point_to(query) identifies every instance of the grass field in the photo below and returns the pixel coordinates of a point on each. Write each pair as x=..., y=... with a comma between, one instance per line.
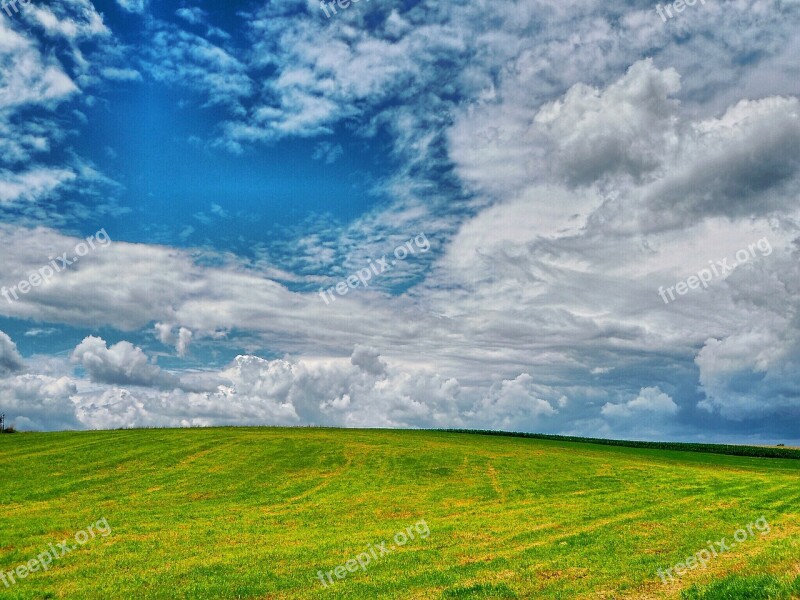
x=256, y=513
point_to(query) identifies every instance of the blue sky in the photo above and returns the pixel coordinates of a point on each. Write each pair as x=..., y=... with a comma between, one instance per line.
x=573, y=169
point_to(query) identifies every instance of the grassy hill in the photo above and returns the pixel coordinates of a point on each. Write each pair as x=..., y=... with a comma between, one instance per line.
x=259, y=512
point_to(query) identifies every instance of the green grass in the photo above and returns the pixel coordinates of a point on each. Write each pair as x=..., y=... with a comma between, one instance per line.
x=255, y=513
x=763, y=587
x=755, y=451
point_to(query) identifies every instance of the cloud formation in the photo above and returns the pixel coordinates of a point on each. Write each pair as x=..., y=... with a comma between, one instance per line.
x=121, y=364
x=10, y=360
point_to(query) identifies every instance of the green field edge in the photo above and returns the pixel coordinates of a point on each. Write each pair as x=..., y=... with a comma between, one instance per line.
x=725, y=449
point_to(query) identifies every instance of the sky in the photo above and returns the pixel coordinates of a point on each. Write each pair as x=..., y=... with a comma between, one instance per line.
x=560, y=216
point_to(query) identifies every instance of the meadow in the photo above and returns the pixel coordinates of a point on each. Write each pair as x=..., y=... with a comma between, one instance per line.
x=260, y=512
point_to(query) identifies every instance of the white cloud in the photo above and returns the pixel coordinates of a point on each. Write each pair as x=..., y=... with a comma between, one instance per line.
x=330, y=71
x=10, y=360
x=43, y=68
x=121, y=364
x=38, y=331
x=626, y=128
x=39, y=402
x=283, y=392
x=753, y=374
x=516, y=405
x=32, y=184
x=134, y=6
x=179, y=58
x=182, y=340
x=27, y=76
x=193, y=15
x=368, y=359
x=651, y=401
x=164, y=333
x=71, y=19
x=116, y=74
x=601, y=370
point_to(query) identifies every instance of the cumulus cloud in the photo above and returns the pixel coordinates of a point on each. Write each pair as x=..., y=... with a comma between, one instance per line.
x=39, y=402
x=668, y=170
x=752, y=374
x=181, y=340
x=740, y=165
x=10, y=360
x=629, y=127
x=650, y=401
x=123, y=364
x=369, y=360
x=651, y=415
x=361, y=393
x=517, y=405
x=164, y=333
x=254, y=391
